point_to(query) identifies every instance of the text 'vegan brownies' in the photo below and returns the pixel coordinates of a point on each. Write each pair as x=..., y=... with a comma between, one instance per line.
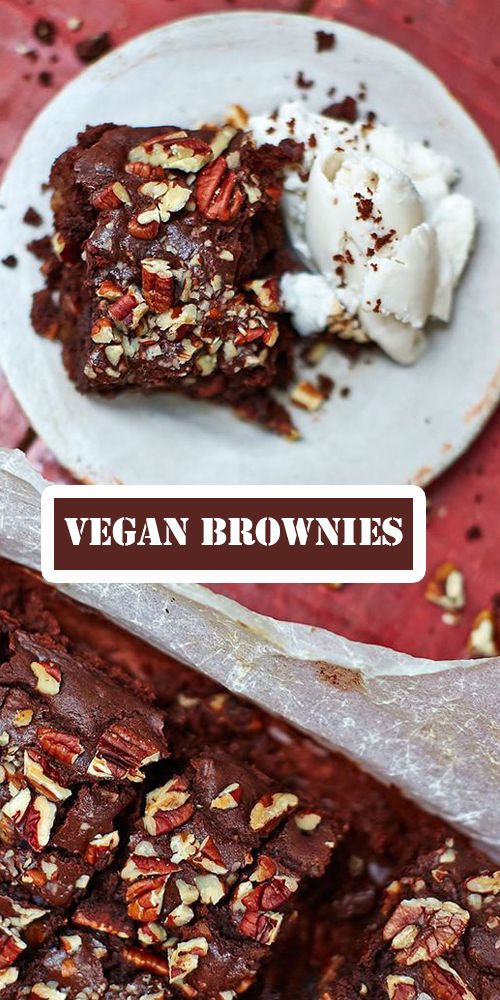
x=163, y=237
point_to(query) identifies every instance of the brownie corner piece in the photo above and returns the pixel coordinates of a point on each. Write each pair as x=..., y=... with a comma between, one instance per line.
x=73, y=747
x=164, y=237
x=437, y=935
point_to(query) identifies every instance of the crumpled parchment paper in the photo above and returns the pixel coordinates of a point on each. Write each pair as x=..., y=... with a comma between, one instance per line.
x=431, y=728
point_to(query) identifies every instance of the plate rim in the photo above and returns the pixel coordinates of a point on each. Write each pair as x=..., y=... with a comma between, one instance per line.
x=485, y=408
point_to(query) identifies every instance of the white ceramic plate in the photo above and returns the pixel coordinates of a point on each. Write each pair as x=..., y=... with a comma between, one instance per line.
x=397, y=425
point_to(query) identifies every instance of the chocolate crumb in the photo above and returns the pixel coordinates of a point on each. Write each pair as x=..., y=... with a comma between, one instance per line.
x=473, y=533
x=45, y=31
x=31, y=217
x=10, y=261
x=346, y=110
x=302, y=81
x=325, y=41
x=45, y=78
x=326, y=385
x=345, y=392
x=91, y=49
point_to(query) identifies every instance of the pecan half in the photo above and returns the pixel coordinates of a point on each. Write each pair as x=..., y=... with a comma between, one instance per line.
x=62, y=746
x=262, y=927
x=217, y=193
x=157, y=284
x=420, y=930
x=121, y=751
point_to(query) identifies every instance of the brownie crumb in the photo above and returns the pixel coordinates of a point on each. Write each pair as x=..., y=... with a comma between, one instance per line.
x=302, y=81
x=45, y=31
x=326, y=385
x=325, y=41
x=45, y=78
x=91, y=49
x=346, y=110
x=10, y=261
x=473, y=533
x=31, y=217
x=45, y=314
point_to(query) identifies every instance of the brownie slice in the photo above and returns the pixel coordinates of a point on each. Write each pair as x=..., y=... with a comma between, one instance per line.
x=437, y=936
x=164, y=236
x=73, y=747
x=210, y=875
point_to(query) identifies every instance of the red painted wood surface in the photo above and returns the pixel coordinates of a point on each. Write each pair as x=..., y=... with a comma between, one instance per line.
x=458, y=39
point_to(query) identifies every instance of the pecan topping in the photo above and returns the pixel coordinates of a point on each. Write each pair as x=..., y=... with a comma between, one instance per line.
x=262, y=927
x=123, y=306
x=11, y=947
x=102, y=331
x=100, y=849
x=145, y=898
x=485, y=885
x=157, y=284
x=109, y=290
x=267, y=293
x=173, y=151
x=444, y=982
x=228, y=798
x=41, y=776
x=146, y=960
x=48, y=677
x=184, y=959
x=111, y=196
x=62, y=746
x=401, y=988
x=144, y=225
x=121, y=751
x=38, y=822
x=270, y=809
x=145, y=170
x=420, y=930
x=208, y=857
x=167, y=807
x=217, y=193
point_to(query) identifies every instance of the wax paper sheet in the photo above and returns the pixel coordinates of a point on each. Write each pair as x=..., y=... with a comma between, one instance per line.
x=432, y=728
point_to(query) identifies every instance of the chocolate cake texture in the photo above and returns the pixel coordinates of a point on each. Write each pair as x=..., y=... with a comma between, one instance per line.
x=163, y=838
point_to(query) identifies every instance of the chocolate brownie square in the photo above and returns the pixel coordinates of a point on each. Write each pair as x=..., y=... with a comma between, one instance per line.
x=163, y=235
